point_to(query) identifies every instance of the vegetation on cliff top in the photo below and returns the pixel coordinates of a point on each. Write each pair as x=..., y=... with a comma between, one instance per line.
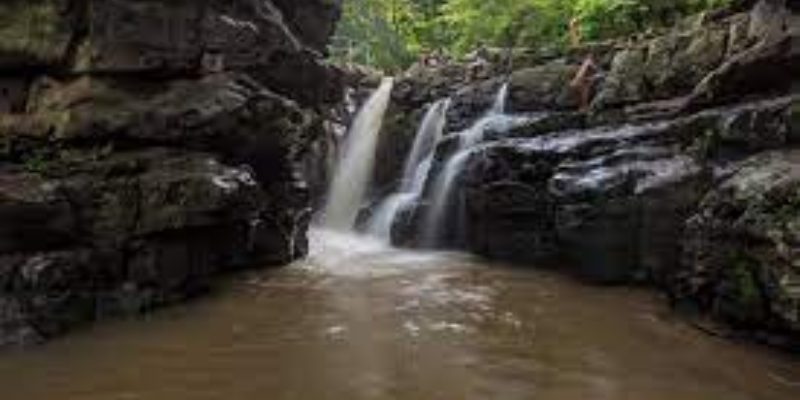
x=393, y=33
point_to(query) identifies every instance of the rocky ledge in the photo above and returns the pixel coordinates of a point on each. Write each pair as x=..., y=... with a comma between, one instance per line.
x=684, y=174
x=146, y=146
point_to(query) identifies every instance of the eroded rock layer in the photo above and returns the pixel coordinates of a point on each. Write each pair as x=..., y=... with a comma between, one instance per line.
x=146, y=146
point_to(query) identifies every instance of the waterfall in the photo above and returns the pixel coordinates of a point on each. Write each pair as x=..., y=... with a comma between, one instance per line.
x=428, y=134
x=415, y=171
x=500, y=100
x=438, y=210
x=355, y=168
x=436, y=216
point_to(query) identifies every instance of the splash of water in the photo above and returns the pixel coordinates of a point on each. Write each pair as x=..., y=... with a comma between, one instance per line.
x=356, y=165
x=415, y=172
x=383, y=220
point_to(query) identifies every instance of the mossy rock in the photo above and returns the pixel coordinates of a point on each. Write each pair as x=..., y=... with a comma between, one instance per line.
x=544, y=87
x=90, y=106
x=33, y=33
x=705, y=53
x=679, y=61
x=740, y=298
x=742, y=244
x=626, y=83
x=660, y=71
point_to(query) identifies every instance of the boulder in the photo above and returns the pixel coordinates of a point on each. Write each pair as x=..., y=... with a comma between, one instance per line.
x=768, y=20
x=625, y=82
x=673, y=64
x=743, y=245
x=545, y=87
x=508, y=210
x=769, y=65
x=678, y=61
x=766, y=67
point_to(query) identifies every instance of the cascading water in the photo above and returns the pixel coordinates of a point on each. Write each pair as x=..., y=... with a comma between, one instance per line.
x=355, y=168
x=428, y=134
x=415, y=172
x=500, y=100
x=436, y=215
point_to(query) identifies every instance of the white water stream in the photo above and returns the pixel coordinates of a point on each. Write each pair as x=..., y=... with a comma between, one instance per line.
x=436, y=215
x=355, y=169
x=415, y=172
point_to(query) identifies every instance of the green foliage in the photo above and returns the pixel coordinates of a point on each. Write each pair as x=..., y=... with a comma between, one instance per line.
x=32, y=28
x=37, y=161
x=609, y=18
x=378, y=32
x=740, y=296
x=393, y=33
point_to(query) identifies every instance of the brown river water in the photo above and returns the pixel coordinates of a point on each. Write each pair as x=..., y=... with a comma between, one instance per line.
x=358, y=320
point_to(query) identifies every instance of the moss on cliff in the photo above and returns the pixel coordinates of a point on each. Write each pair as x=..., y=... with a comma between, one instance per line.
x=740, y=297
x=33, y=32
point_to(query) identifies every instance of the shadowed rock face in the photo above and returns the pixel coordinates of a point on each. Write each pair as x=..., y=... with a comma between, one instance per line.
x=613, y=198
x=650, y=185
x=313, y=19
x=741, y=247
x=174, y=38
x=147, y=146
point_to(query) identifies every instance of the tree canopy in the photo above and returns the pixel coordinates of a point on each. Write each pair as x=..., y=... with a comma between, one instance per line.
x=391, y=34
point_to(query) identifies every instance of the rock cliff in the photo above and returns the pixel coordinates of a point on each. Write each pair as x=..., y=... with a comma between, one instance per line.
x=683, y=172
x=146, y=146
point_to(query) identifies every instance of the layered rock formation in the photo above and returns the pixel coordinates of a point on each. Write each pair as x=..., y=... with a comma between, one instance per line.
x=146, y=146
x=683, y=174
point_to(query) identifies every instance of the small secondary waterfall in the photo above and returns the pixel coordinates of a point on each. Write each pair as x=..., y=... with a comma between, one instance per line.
x=436, y=215
x=415, y=172
x=355, y=168
x=428, y=134
x=500, y=100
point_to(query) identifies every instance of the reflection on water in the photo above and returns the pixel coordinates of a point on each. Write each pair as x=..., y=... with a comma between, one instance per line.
x=358, y=320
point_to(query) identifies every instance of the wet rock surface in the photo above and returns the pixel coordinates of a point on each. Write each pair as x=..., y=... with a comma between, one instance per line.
x=741, y=247
x=684, y=165
x=145, y=147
